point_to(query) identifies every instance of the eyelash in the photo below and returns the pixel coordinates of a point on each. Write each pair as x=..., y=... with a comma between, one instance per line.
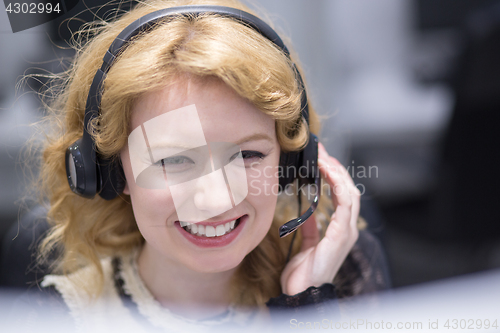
x=247, y=154
x=183, y=158
x=251, y=154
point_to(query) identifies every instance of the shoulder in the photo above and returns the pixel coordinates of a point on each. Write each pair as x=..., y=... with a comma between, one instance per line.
x=39, y=307
x=91, y=311
x=80, y=286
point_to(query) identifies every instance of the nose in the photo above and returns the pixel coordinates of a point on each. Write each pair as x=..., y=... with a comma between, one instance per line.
x=212, y=196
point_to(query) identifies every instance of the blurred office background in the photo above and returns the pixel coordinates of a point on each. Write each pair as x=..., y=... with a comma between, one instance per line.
x=409, y=93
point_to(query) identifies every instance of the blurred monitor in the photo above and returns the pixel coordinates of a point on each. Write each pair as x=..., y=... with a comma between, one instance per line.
x=444, y=14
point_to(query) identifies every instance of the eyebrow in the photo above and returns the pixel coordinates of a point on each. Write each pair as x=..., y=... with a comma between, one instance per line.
x=161, y=145
x=252, y=137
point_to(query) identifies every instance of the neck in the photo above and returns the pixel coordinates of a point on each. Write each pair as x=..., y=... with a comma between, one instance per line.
x=191, y=294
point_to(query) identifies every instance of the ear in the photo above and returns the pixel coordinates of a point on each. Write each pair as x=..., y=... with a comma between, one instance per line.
x=126, y=190
x=121, y=174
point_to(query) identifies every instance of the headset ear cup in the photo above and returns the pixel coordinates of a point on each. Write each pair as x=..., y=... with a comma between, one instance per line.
x=81, y=169
x=75, y=168
x=302, y=164
x=309, y=161
x=112, y=179
x=289, y=163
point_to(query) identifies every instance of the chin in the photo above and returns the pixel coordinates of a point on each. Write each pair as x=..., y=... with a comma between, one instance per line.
x=215, y=264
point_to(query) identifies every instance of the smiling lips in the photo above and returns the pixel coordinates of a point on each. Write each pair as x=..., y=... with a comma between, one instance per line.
x=209, y=235
x=209, y=230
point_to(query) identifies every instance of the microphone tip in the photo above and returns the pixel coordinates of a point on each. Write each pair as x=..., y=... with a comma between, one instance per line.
x=285, y=230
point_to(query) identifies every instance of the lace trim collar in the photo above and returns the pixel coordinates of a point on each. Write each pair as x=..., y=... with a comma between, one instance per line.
x=111, y=311
x=159, y=316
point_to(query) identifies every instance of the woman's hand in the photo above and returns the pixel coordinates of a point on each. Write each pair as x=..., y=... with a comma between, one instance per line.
x=319, y=261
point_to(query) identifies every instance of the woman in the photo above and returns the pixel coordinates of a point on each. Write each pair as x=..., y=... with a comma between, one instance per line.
x=197, y=111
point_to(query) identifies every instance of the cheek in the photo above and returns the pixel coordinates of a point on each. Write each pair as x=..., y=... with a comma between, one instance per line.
x=151, y=206
x=263, y=180
x=263, y=189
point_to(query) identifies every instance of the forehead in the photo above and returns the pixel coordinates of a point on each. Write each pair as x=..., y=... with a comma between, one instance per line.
x=223, y=114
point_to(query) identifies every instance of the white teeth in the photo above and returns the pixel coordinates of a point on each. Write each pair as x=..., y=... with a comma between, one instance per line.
x=210, y=231
x=201, y=230
x=220, y=230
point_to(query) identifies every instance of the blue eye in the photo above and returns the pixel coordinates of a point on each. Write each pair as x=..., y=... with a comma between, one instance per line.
x=176, y=160
x=248, y=156
x=176, y=163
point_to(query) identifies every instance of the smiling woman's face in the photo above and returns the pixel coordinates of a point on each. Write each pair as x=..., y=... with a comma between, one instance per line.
x=197, y=174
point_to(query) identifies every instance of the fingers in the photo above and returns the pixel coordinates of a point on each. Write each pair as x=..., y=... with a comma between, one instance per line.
x=334, y=164
x=345, y=195
x=310, y=233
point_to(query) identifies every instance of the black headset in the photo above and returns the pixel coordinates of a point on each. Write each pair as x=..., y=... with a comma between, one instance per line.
x=89, y=173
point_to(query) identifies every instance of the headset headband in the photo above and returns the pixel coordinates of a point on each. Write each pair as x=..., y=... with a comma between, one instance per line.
x=148, y=22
